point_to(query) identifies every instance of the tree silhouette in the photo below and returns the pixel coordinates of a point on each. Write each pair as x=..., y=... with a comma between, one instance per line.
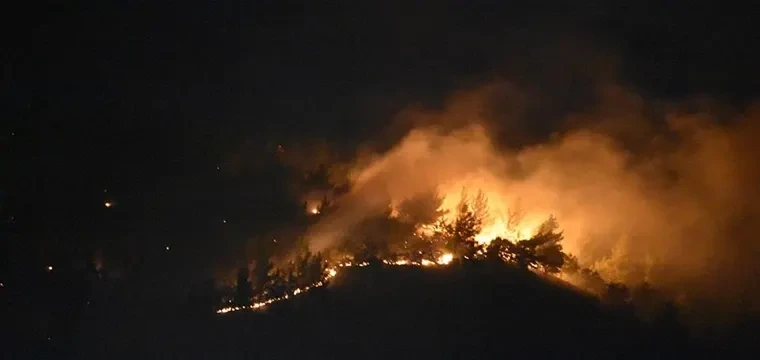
x=315, y=269
x=421, y=209
x=542, y=251
x=425, y=247
x=479, y=205
x=261, y=275
x=292, y=280
x=497, y=250
x=308, y=268
x=243, y=290
x=277, y=285
x=522, y=254
x=463, y=231
x=515, y=215
x=617, y=294
x=380, y=235
x=571, y=265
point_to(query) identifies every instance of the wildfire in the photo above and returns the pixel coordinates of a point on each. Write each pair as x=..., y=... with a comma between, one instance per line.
x=499, y=228
x=445, y=259
x=496, y=224
x=330, y=273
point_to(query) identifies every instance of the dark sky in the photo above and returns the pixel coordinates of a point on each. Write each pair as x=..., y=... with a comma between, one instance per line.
x=145, y=99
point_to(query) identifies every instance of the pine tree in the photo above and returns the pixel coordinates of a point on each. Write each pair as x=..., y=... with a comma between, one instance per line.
x=543, y=250
x=467, y=225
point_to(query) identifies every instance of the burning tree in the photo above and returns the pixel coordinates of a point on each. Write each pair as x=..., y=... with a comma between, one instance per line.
x=469, y=223
x=543, y=250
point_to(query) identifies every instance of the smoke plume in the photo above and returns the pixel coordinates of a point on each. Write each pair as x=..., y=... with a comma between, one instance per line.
x=644, y=190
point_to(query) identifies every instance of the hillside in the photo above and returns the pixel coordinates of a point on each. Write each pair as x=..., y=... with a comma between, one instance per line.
x=373, y=312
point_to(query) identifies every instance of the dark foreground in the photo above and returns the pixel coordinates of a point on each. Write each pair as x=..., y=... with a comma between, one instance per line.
x=379, y=313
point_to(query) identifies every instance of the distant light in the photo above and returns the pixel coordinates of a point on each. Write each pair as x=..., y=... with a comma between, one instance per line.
x=2, y=285
x=50, y=268
x=315, y=211
x=274, y=240
x=224, y=221
x=108, y=204
x=105, y=190
x=167, y=247
x=217, y=168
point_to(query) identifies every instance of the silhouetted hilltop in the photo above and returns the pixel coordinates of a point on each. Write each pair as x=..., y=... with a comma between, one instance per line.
x=477, y=310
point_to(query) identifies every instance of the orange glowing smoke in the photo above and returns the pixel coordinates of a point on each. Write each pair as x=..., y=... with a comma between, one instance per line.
x=641, y=191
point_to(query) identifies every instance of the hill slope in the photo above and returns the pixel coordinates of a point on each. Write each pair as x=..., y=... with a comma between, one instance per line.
x=472, y=312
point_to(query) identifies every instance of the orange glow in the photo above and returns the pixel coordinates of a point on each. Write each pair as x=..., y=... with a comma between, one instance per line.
x=500, y=208
x=108, y=204
x=445, y=259
x=642, y=191
x=330, y=273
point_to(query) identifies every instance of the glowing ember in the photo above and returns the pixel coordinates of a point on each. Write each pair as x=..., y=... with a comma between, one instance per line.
x=108, y=204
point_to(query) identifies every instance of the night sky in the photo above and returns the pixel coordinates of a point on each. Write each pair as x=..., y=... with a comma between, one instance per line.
x=138, y=103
